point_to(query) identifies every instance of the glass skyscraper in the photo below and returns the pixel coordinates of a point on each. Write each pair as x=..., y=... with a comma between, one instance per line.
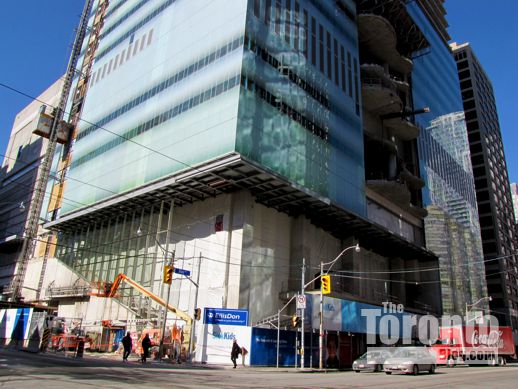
x=451, y=227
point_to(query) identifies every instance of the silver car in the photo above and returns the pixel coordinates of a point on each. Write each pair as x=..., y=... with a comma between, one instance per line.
x=371, y=361
x=410, y=360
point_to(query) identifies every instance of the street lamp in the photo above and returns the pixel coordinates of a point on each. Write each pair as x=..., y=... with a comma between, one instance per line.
x=471, y=306
x=139, y=233
x=321, y=331
x=21, y=205
x=21, y=208
x=404, y=114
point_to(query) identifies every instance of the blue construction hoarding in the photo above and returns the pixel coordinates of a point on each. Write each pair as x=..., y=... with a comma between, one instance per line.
x=264, y=347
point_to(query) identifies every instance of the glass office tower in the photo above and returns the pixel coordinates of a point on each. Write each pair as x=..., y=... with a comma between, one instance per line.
x=452, y=228
x=234, y=83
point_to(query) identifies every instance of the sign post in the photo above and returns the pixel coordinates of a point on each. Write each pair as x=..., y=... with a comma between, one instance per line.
x=301, y=304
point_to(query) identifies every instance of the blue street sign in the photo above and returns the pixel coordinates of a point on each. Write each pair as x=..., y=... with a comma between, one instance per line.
x=183, y=272
x=232, y=317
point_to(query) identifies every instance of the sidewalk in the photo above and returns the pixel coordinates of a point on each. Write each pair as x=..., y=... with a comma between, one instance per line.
x=115, y=359
x=134, y=359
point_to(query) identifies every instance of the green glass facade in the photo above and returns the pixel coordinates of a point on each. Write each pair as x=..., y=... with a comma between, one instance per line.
x=276, y=83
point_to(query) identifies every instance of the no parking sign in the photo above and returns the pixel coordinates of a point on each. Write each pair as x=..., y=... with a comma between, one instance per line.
x=301, y=301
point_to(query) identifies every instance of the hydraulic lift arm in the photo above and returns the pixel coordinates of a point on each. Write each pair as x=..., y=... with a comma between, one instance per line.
x=122, y=277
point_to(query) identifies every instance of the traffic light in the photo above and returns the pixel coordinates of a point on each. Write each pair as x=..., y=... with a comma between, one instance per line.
x=326, y=284
x=197, y=314
x=295, y=321
x=168, y=274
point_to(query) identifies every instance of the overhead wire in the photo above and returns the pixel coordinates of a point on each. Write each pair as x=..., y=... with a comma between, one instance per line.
x=160, y=153
x=144, y=224
x=402, y=271
x=248, y=265
x=187, y=165
x=241, y=263
x=422, y=270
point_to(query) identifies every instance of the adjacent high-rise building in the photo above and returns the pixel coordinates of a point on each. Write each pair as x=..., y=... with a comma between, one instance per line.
x=18, y=177
x=495, y=206
x=453, y=230
x=514, y=194
x=451, y=225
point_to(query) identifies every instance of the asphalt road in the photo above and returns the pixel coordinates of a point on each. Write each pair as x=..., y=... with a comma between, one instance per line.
x=38, y=371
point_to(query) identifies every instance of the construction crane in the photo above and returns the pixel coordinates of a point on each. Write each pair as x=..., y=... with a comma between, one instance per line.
x=56, y=127
x=110, y=290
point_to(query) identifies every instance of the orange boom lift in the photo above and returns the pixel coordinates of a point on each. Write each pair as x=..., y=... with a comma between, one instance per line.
x=110, y=290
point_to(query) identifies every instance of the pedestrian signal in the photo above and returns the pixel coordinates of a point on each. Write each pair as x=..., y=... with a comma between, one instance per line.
x=326, y=284
x=197, y=314
x=168, y=274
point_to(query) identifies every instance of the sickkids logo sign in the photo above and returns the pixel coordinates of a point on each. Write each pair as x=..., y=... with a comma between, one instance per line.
x=224, y=335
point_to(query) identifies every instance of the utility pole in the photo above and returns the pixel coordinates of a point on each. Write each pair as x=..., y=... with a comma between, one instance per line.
x=278, y=335
x=321, y=330
x=303, y=312
x=46, y=164
x=321, y=334
x=161, y=349
x=197, y=284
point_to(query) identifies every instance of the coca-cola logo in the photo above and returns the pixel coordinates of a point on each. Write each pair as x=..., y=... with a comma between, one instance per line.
x=493, y=339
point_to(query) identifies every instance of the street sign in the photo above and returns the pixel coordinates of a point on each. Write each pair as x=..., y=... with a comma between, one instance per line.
x=234, y=317
x=301, y=301
x=183, y=272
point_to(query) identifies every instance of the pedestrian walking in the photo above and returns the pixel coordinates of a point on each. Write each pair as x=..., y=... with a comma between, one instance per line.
x=127, y=343
x=236, y=350
x=146, y=345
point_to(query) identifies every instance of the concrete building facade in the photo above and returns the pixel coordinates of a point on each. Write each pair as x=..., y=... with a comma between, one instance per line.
x=19, y=173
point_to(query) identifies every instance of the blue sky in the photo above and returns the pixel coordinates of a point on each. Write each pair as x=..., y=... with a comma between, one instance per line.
x=37, y=36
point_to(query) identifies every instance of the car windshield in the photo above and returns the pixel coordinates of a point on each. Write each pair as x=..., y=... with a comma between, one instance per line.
x=374, y=354
x=405, y=353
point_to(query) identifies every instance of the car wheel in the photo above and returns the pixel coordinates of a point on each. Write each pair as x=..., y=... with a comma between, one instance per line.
x=357, y=371
x=501, y=361
x=415, y=370
x=432, y=369
x=388, y=372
